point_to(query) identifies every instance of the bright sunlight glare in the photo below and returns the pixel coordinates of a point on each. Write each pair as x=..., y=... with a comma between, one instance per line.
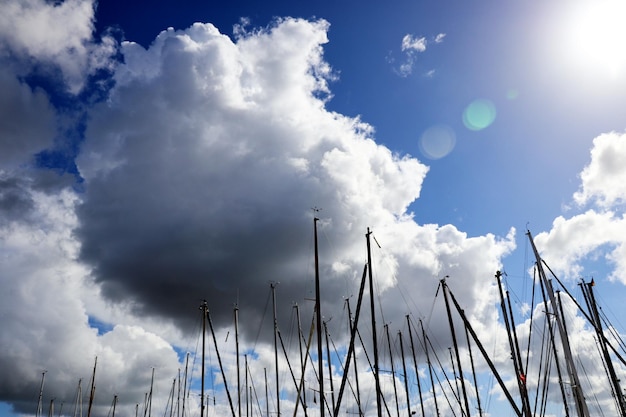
x=596, y=37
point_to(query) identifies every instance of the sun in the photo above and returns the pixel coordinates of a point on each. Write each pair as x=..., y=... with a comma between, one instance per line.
x=596, y=36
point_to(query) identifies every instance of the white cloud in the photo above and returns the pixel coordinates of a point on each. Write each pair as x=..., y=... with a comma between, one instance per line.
x=602, y=180
x=411, y=46
x=58, y=34
x=598, y=232
x=411, y=43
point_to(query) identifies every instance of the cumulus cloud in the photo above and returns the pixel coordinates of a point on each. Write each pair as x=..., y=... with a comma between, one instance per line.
x=602, y=181
x=202, y=168
x=598, y=232
x=58, y=34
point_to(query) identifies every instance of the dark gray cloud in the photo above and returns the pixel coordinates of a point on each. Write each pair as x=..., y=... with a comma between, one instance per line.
x=202, y=169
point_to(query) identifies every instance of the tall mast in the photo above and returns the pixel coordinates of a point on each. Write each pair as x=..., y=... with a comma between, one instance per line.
x=379, y=409
x=302, y=366
x=469, y=349
x=148, y=409
x=456, y=347
x=267, y=397
x=78, y=407
x=430, y=369
x=246, y=385
x=417, y=374
x=236, y=311
x=114, y=405
x=273, y=286
x=205, y=308
x=318, y=318
x=185, y=382
x=393, y=370
x=597, y=324
x=330, y=369
x=353, y=331
x=219, y=361
x=406, y=378
x=579, y=399
x=92, y=391
x=40, y=400
x=356, y=372
x=513, y=346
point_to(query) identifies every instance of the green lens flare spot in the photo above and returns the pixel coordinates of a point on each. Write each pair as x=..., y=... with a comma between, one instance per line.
x=479, y=114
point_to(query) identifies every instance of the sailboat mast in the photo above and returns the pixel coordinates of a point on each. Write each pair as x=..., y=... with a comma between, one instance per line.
x=236, y=312
x=205, y=308
x=579, y=399
x=185, y=383
x=302, y=366
x=40, y=400
x=393, y=370
x=471, y=358
x=417, y=373
x=379, y=409
x=114, y=405
x=92, y=391
x=456, y=347
x=513, y=346
x=273, y=286
x=597, y=324
x=330, y=369
x=353, y=331
x=430, y=369
x=267, y=397
x=406, y=379
x=318, y=319
x=219, y=361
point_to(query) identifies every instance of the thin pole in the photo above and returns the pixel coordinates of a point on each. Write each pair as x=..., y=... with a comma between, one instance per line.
x=393, y=369
x=456, y=347
x=40, y=400
x=114, y=405
x=219, y=360
x=185, y=382
x=205, y=308
x=406, y=378
x=356, y=372
x=318, y=323
x=430, y=369
x=579, y=399
x=469, y=349
x=302, y=367
x=330, y=369
x=597, y=324
x=267, y=397
x=273, y=286
x=379, y=409
x=92, y=392
x=353, y=332
x=417, y=374
x=236, y=311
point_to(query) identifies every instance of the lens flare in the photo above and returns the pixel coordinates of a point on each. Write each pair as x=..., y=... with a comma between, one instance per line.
x=479, y=114
x=437, y=141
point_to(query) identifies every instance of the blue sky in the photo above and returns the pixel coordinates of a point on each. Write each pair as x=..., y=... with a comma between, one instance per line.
x=156, y=154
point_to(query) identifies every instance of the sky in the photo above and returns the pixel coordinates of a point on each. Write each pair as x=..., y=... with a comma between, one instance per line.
x=157, y=154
